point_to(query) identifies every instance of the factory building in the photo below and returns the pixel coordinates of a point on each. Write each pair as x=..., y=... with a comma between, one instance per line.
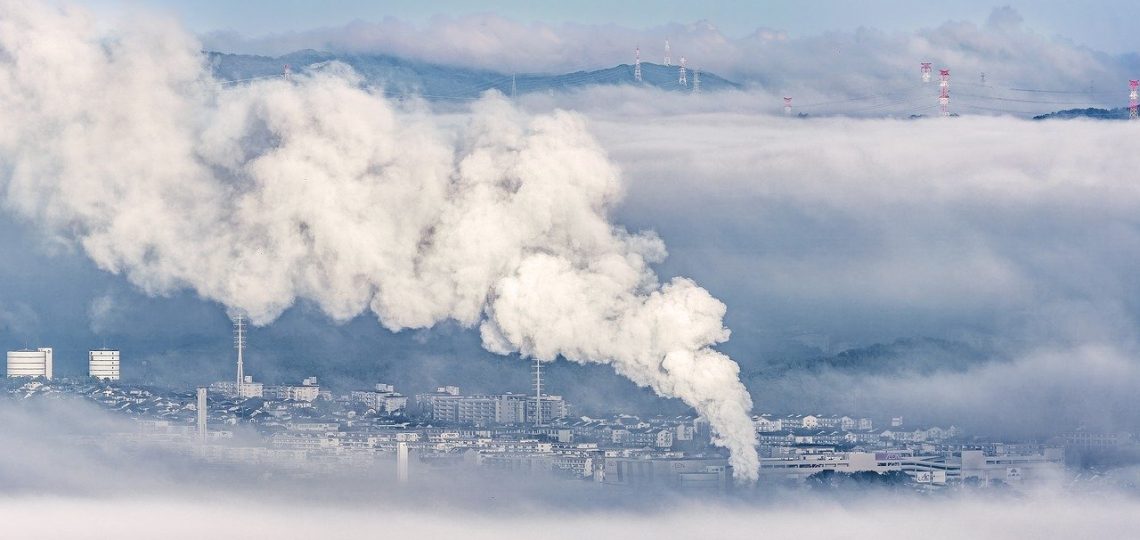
x=103, y=364
x=679, y=473
x=30, y=363
x=961, y=466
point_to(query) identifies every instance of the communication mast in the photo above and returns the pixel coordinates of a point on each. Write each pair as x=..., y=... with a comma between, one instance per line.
x=239, y=344
x=944, y=96
x=683, y=80
x=287, y=72
x=787, y=106
x=637, y=64
x=696, y=80
x=537, y=392
x=1133, y=99
x=668, y=61
x=926, y=72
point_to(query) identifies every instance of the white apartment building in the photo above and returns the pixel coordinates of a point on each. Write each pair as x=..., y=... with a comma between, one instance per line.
x=383, y=399
x=308, y=390
x=103, y=364
x=249, y=389
x=30, y=363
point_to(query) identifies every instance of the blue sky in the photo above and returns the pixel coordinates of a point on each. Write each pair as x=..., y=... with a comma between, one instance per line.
x=1102, y=25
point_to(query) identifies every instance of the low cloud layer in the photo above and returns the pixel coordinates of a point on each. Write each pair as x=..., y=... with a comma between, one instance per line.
x=861, y=69
x=158, y=492
x=1037, y=517
x=1017, y=237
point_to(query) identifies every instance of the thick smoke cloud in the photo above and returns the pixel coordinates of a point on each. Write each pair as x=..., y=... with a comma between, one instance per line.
x=261, y=195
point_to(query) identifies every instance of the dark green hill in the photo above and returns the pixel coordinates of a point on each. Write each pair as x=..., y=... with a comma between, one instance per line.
x=402, y=77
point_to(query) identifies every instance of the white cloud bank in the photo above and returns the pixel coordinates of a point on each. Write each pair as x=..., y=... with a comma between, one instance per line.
x=1039, y=516
x=1022, y=236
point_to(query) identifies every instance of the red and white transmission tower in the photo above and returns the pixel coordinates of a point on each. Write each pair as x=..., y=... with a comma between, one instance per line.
x=944, y=96
x=1133, y=99
x=696, y=80
x=668, y=61
x=788, y=106
x=287, y=72
x=926, y=72
x=637, y=64
x=683, y=80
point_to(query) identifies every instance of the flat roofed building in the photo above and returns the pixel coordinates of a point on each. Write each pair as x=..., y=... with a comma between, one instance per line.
x=30, y=363
x=103, y=364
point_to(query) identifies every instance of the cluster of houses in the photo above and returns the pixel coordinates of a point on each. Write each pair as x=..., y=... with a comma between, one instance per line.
x=777, y=433
x=311, y=429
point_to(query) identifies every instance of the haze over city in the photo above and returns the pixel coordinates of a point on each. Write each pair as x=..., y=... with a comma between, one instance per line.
x=668, y=268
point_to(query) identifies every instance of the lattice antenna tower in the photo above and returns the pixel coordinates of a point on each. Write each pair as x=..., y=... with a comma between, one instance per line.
x=696, y=80
x=637, y=64
x=514, y=87
x=1133, y=99
x=787, y=106
x=926, y=72
x=239, y=344
x=287, y=72
x=668, y=60
x=537, y=392
x=944, y=94
x=683, y=80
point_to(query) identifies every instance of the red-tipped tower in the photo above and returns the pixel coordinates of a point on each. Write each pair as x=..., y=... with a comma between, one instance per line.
x=944, y=95
x=1133, y=99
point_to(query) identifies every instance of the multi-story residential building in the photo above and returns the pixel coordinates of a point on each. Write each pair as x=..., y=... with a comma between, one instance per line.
x=308, y=390
x=103, y=364
x=30, y=363
x=765, y=423
x=447, y=405
x=383, y=399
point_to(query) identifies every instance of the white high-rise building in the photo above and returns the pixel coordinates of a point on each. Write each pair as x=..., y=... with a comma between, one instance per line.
x=103, y=364
x=30, y=363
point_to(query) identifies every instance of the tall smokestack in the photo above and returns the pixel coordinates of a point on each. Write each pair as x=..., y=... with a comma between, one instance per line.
x=202, y=414
x=402, y=462
x=239, y=344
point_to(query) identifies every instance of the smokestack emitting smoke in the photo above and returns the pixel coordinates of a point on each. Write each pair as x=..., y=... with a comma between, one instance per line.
x=317, y=188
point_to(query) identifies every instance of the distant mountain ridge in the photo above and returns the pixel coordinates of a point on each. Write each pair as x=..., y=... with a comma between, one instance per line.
x=910, y=355
x=403, y=77
x=1120, y=113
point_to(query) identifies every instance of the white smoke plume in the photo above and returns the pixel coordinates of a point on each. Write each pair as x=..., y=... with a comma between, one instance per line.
x=259, y=195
